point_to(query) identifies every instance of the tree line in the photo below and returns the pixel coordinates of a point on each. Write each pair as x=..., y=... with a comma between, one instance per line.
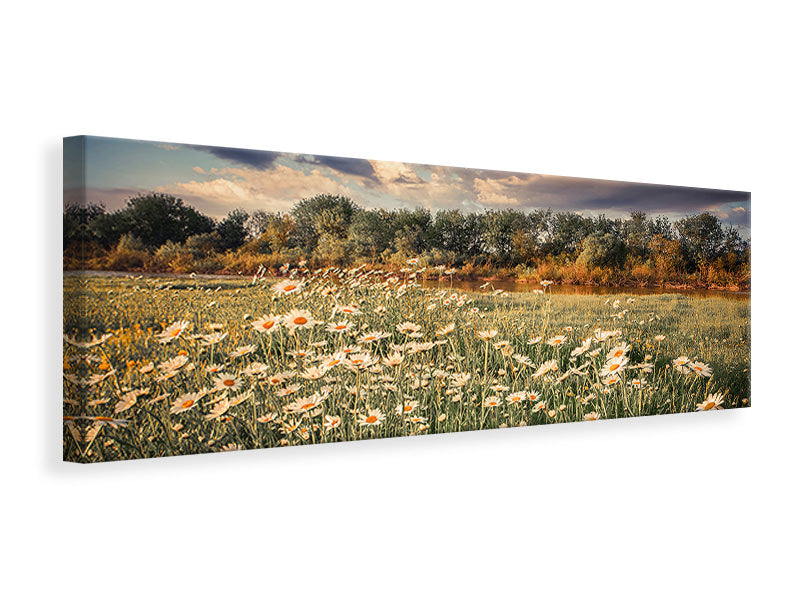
x=160, y=231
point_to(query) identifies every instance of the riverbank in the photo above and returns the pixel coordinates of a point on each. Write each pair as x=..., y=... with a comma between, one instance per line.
x=471, y=285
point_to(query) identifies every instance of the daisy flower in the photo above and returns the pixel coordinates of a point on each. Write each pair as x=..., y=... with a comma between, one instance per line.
x=173, y=364
x=287, y=286
x=242, y=351
x=220, y=408
x=288, y=390
x=372, y=336
x=350, y=309
x=226, y=381
x=614, y=365
x=267, y=323
x=298, y=318
x=279, y=378
x=329, y=362
x=268, y=418
x=516, y=397
x=255, y=368
x=460, y=379
x=406, y=407
x=524, y=360
x=331, y=422
x=185, y=402
x=681, y=361
x=492, y=401
x=231, y=447
x=446, y=330
x=407, y=327
x=557, y=340
x=302, y=405
x=544, y=368
x=618, y=351
x=340, y=327
x=713, y=402
x=126, y=401
x=239, y=398
x=393, y=359
x=313, y=373
x=592, y=416
x=212, y=338
x=700, y=368
x=373, y=417
x=487, y=334
x=172, y=332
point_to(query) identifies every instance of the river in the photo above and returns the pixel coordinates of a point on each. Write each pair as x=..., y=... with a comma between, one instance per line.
x=589, y=290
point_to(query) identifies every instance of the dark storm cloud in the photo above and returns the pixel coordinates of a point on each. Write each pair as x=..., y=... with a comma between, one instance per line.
x=596, y=195
x=349, y=166
x=259, y=159
x=264, y=160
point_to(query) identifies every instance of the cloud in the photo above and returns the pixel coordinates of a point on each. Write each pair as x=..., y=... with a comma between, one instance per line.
x=394, y=172
x=348, y=166
x=199, y=170
x=276, y=189
x=259, y=159
x=491, y=192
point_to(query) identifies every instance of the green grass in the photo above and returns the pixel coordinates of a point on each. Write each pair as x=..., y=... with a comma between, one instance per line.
x=134, y=311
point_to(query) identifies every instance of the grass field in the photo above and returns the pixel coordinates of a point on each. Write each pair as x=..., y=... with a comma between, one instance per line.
x=159, y=367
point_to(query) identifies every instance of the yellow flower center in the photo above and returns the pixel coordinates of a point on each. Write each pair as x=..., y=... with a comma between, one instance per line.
x=300, y=320
x=268, y=324
x=228, y=382
x=371, y=419
x=187, y=404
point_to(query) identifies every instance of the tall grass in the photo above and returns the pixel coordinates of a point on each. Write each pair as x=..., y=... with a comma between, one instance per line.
x=126, y=382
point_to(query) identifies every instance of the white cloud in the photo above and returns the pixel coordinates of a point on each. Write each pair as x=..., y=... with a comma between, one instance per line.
x=251, y=189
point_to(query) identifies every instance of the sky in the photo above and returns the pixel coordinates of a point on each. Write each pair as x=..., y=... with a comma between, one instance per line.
x=217, y=180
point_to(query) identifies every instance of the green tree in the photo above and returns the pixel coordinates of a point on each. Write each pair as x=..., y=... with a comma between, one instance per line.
x=500, y=228
x=602, y=250
x=411, y=229
x=370, y=233
x=232, y=231
x=566, y=233
x=323, y=214
x=701, y=238
x=456, y=232
x=154, y=219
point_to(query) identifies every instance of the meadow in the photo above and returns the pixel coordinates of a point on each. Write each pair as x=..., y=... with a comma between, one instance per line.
x=171, y=366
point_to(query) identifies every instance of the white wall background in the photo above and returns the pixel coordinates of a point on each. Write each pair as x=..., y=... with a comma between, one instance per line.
x=690, y=93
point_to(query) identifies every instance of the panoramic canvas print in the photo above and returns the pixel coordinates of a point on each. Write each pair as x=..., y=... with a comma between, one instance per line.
x=220, y=299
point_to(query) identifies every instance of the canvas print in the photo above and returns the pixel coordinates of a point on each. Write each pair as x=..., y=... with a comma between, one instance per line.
x=221, y=299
